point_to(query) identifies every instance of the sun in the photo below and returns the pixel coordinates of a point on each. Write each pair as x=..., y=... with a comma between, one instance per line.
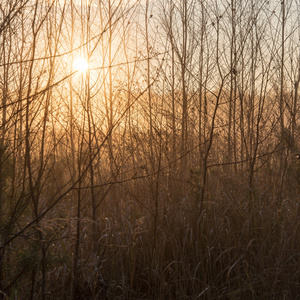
x=80, y=64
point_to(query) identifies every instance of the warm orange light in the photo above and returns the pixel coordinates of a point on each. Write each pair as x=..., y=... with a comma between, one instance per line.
x=80, y=64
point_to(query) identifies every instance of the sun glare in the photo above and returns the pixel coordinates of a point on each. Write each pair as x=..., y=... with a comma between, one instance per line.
x=80, y=64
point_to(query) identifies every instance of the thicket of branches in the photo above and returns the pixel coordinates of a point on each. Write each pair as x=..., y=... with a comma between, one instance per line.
x=169, y=168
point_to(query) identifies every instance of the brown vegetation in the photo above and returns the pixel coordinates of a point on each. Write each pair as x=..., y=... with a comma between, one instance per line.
x=168, y=169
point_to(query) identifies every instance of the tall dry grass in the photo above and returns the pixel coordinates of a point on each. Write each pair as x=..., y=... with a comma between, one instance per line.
x=239, y=246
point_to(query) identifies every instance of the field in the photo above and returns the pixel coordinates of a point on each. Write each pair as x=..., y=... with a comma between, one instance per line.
x=149, y=149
